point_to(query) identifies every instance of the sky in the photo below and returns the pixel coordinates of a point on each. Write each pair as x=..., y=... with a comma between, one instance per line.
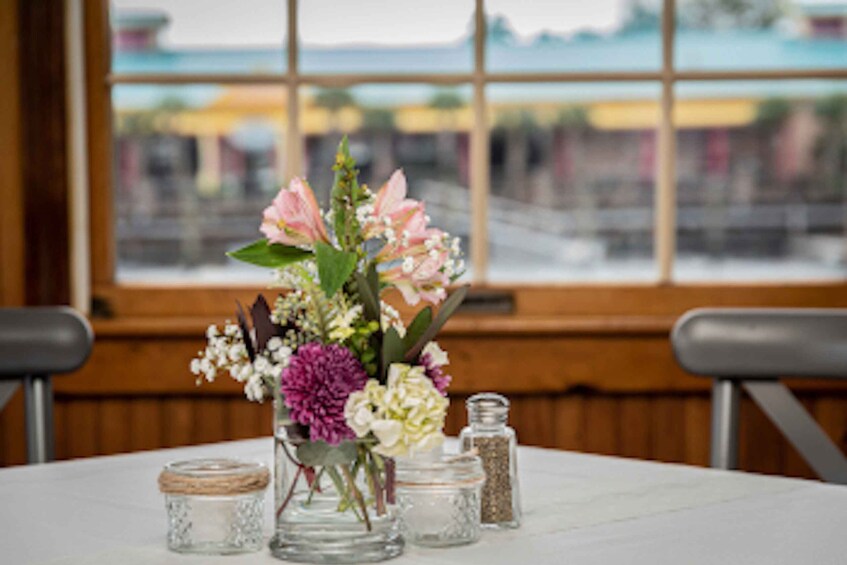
x=254, y=23
x=198, y=23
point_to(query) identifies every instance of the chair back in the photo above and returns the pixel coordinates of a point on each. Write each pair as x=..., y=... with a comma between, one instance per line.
x=43, y=340
x=751, y=349
x=753, y=343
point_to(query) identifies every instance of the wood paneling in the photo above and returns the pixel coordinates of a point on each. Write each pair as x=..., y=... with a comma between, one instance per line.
x=659, y=426
x=11, y=187
x=44, y=151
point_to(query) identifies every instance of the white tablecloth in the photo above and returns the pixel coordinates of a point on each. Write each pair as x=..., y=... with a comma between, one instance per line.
x=577, y=509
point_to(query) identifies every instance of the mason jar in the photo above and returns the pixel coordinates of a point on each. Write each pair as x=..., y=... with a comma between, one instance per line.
x=439, y=499
x=215, y=506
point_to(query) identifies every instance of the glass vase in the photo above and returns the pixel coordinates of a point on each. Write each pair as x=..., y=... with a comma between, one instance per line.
x=333, y=513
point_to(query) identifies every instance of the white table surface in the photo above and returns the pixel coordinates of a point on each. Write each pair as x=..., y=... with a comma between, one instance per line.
x=577, y=509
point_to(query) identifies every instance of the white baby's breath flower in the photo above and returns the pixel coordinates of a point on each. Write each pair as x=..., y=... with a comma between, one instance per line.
x=408, y=265
x=212, y=331
x=254, y=390
x=436, y=354
x=274, y=343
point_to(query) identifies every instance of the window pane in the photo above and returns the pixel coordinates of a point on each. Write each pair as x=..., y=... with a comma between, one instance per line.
x=761, y=34
x=376, y=36
x=198, y=36
x=194, y=168
x=573, y=35
x=572, y=177
x=423, y=129
x=762, y=173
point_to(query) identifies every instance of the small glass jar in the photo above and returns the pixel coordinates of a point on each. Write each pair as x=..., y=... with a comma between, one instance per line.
x=215, y=506
x=439, y=499
x=496, y=444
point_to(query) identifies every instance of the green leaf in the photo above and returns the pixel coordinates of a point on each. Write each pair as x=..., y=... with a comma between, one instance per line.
x=272, y=255
x=453, y=301
x=392, y=349
x=418, y=326
x=320, y=453
x=368, y=285
x=334, y=267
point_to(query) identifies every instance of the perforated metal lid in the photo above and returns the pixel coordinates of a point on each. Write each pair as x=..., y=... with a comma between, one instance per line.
x=488, y=408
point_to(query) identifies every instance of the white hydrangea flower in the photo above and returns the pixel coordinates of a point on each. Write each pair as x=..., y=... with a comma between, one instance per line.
x=406, y=415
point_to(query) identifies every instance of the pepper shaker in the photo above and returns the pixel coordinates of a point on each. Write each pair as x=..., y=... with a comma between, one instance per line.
x=496, y=443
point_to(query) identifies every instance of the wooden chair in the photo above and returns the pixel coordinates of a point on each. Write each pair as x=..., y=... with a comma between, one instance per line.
x=751, y=348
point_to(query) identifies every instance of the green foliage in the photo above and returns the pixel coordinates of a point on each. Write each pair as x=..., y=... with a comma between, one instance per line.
x=721, y=14
x=377, y=119
x=364, y=344
x=334, y=267
x=574, y=117
x=271, y=255
x=772, y=112
x=393, y=349
x=346, y=196
x=832, y=109
x=417, y=328
x=367, y=286
x=446, y=99
x=447, y=309
x=334, y=99
x=320, y=453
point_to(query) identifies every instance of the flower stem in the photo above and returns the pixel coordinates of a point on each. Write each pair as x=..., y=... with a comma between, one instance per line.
x=290, y=492
x=357, y=495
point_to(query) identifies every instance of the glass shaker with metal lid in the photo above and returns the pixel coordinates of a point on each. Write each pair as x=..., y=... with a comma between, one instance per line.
x=496, y=444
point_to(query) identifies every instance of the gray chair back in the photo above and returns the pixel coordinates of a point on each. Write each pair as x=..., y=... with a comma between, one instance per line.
x=752, y=348
x=36, y=343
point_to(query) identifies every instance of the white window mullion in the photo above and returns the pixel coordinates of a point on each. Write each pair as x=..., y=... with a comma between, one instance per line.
x=479, y=155
x=665, y=206
x=293, y=142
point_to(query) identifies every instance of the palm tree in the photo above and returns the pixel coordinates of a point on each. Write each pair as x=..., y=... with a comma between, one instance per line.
x=378, y=123
x=333, y=100
x=517, y=127
x=572, y=127
x=831, y=147
x=446, y=102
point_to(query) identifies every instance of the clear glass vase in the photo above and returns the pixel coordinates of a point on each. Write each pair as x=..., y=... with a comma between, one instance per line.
x=340, y=513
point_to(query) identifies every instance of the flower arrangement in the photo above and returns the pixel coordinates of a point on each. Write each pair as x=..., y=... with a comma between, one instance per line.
x=356, y=386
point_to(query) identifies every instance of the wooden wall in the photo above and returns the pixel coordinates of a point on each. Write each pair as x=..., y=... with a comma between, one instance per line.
x=616, y=395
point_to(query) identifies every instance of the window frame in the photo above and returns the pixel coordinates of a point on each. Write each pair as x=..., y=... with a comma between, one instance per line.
x=120, y=300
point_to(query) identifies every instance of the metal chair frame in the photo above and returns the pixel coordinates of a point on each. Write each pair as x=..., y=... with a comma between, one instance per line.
x=750, y=348
x=36, y=343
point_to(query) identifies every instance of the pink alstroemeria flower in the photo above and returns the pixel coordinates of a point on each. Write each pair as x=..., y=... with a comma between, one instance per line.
x=294, y=217
x=392, y=210
x=418, y=268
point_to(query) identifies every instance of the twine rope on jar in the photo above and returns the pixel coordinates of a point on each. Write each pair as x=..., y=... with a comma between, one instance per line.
x=177, y=483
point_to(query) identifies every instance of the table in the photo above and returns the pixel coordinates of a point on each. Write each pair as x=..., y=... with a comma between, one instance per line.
x=579, y=509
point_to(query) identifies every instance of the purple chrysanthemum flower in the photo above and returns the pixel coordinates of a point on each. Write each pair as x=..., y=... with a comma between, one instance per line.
x=316, y=384
x=436, y=373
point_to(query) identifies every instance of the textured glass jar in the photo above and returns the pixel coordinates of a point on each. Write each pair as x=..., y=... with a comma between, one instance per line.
x=496, y=444
x=314, y=522
x=439, y=500
x=215, y=506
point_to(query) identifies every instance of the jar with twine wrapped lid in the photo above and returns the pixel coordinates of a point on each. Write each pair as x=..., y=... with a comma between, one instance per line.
x=215, y=506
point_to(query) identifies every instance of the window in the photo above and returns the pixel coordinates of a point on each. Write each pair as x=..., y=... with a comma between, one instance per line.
x=624, y=142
